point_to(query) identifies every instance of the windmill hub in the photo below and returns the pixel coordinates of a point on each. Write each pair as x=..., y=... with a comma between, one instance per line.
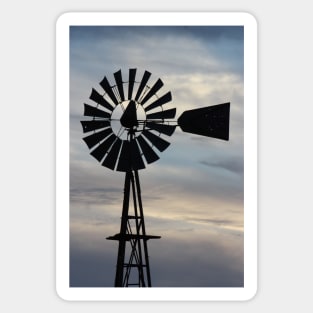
x=133, y=119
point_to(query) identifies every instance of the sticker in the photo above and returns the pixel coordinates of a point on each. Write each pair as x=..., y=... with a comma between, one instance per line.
x=156, y=156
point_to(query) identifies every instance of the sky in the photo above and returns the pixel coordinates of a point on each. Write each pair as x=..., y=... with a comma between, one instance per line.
x=193, y=195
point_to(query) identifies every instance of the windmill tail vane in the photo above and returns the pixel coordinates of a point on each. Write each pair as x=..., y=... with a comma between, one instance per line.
x=130, y=125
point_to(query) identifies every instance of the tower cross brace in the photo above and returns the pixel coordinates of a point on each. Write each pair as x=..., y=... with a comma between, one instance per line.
x=132, y=268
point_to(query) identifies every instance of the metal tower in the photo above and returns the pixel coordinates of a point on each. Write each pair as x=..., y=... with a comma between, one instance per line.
x=126, y=129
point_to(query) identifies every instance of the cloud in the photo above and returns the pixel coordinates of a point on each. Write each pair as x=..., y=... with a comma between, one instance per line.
x=196, y=265
x=234, y=165
x=95, y=195
x=92, y=260
x=194, y=257
x=166, y=50
x=224, y=222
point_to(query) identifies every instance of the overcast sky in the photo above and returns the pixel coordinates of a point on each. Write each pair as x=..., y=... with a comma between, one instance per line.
x=193, y=195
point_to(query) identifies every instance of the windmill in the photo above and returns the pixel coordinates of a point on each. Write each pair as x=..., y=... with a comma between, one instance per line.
x=126, y=132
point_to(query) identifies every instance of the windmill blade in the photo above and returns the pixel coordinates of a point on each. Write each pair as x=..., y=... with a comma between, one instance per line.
x=119, y=83
x=211, y=121
x=95, y=112
x=143, y=83
x=147, y=151
x=95, y=138
x=124, y=163
x=132, y=77
x=162, y=114
x=154, y=89
x=136, y=158
x=102, y=149
x=130, y=157
x=162, y=128
x=107, y=88
x=157, y=141
x=93, y=125
x=111, y=158
x=95, y=96
x=162, y=100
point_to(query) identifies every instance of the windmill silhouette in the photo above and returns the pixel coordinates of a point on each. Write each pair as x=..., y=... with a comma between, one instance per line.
x=127, y=132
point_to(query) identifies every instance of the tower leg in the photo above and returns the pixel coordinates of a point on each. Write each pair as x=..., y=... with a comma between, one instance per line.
x=145, y=246
x=132, y=268
x=122, y=241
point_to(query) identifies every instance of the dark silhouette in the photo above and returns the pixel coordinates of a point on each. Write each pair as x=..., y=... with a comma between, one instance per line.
x=143, y=137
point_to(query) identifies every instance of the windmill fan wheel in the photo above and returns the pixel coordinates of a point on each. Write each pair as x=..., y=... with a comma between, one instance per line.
x=128, y=122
